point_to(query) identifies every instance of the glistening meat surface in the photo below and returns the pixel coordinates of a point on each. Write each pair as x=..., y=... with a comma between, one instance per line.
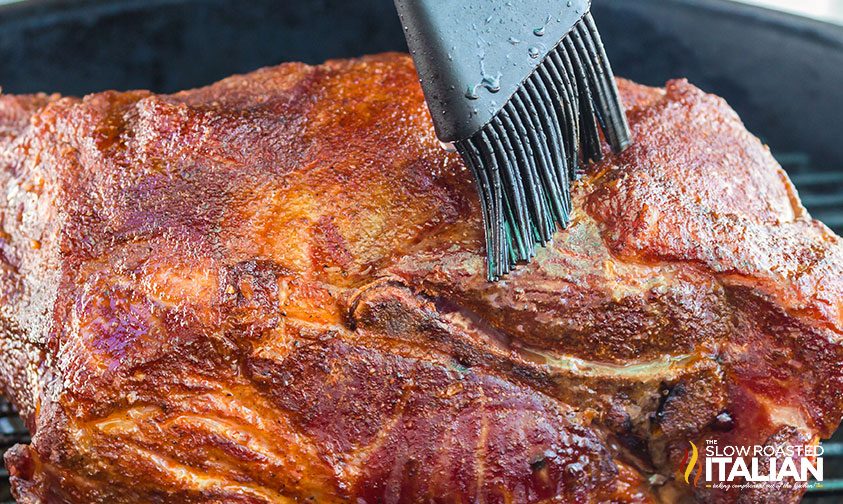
x=272, y=289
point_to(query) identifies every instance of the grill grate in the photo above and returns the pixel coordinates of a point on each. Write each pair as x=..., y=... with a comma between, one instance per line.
x=12, y=431
x=821, y=193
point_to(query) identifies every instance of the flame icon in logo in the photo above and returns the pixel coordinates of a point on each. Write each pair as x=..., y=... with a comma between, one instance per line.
x=692, y=459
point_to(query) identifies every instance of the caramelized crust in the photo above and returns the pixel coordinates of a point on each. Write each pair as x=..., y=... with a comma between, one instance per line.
x=272, y=289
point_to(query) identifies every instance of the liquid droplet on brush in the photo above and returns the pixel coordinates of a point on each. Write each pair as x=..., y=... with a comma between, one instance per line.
x=471, y=93
x=491, y=83
x=533, y=52
x=539, y=32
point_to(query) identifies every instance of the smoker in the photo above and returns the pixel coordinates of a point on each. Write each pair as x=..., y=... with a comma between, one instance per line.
x=781, y=73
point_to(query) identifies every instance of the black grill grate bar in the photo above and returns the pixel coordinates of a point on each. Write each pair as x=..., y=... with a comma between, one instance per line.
x=816, y=178
x=813, y=200
x=832, y=219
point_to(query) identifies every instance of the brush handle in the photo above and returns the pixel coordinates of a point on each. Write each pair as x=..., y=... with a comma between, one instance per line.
x=473, y=55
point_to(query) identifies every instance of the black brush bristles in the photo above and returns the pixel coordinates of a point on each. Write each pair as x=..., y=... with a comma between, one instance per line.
x=525, y=158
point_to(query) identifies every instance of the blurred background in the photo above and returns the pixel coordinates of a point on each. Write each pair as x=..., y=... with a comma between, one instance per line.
x=779, y=63
x=829, y=10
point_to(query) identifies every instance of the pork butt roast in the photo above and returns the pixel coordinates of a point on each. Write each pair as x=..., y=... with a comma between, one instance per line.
x=272, y=289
